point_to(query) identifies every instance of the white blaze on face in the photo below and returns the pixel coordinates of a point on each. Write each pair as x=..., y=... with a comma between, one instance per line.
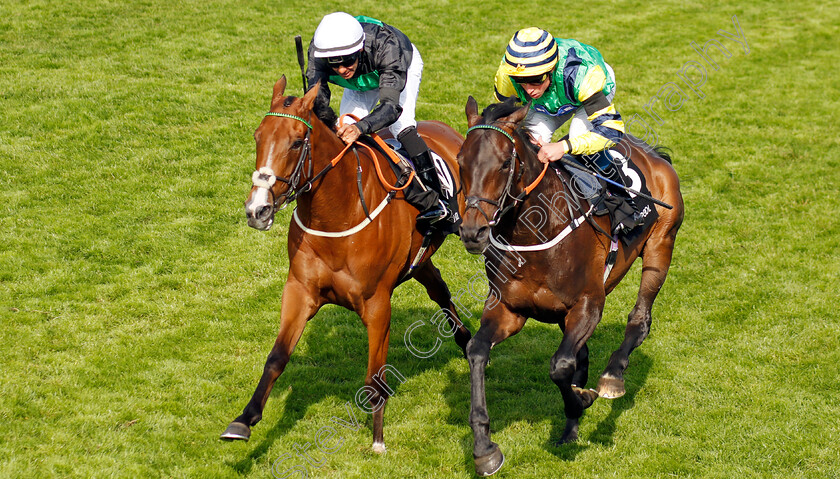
x=258, y=200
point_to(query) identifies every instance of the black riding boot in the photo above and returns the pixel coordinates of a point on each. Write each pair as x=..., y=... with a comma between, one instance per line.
x=613, y=172
x=432, y=208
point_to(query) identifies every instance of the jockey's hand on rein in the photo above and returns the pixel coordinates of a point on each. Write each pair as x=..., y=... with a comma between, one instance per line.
x=349, y=133
x=552, y=151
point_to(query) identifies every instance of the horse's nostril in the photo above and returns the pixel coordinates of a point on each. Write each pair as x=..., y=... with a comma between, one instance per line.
x=474, y=234
x=263, y=212
x=483, y=233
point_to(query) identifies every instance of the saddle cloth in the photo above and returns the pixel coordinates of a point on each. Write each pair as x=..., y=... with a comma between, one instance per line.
x=608, y=199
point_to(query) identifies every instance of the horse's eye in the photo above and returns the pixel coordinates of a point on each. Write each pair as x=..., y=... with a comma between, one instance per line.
x=297, y=144
x=506, y=164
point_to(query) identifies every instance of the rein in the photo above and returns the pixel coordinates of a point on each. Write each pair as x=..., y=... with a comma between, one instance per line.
x=501, y=208
x=472, y=202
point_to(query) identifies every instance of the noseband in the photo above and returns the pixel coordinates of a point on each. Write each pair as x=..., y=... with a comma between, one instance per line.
x=265, y=177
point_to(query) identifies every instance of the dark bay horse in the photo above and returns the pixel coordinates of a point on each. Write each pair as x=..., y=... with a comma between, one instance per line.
x=562, y=284
x=338, y=254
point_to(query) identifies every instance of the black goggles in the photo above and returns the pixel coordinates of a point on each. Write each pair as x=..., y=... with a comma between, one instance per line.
x=343, y=60
x=531, y=80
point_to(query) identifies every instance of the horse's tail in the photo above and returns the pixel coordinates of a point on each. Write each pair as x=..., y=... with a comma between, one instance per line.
x=664, y=152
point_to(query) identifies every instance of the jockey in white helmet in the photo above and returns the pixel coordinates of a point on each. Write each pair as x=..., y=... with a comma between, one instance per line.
x=380, y=70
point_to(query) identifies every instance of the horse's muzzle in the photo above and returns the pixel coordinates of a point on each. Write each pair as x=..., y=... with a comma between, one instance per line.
x=262, y=219
x=260, y=214
x=476, y=239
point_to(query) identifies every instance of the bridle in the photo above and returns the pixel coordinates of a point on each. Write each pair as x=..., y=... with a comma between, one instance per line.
x=265, y=177
x=473, y=201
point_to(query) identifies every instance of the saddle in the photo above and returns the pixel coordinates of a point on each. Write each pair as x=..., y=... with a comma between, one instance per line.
x=404, y=168
x=605, y=199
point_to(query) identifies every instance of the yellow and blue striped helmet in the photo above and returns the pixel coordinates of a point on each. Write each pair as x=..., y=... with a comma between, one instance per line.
x=531, y=51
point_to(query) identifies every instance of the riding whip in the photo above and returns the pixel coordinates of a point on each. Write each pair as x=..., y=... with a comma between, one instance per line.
x=299, y=48
x=631, y=190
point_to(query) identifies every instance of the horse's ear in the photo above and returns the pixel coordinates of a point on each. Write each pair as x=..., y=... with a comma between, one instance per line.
x=472, y=112
x=279, y=88
x=309, y=97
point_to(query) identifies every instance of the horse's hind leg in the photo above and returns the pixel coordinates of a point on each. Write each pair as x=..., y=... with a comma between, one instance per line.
x=655, y=263
x=429, y=276
x=298, y=306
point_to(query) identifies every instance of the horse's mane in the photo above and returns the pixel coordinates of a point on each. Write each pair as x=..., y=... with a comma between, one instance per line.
x=325, y=113
x=321, y=109
x=500, y=110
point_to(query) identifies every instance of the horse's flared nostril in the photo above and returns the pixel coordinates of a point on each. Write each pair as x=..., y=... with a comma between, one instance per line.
x=263, y=213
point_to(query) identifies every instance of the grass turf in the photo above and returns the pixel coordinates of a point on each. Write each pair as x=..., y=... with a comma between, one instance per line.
x=137, y=308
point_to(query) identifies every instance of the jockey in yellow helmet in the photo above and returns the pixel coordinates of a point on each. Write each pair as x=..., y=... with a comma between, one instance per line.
x=563, y=79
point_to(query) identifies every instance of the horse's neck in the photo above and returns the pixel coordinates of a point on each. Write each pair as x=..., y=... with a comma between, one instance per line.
x=546, y=210
x=334, y=198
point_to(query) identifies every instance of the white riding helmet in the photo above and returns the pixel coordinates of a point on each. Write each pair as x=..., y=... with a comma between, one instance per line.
x=338, y=34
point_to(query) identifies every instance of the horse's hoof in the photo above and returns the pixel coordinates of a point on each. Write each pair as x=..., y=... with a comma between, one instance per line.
x=379, y=448
x=610, y=387
x=587, y=396
x=570, y=433
x=567, y=439
x=489, y=464
x=236, y=431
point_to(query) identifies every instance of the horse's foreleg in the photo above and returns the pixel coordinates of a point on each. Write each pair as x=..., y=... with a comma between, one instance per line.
x=655, y=264
x=377, y=318
x=581, y=376
x=298, y=306
x=487, y=455
x=580, y=323
x=429, y=276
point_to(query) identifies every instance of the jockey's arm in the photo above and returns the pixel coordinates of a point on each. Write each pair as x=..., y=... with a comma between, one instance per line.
x=391, y=59
x=607, y=125
x=386, y=112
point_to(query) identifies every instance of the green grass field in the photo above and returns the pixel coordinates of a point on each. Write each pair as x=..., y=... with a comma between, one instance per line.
x=137, y=307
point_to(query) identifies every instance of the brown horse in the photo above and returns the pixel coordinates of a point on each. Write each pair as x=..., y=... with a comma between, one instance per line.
x=562, y=284
x=338, y=253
